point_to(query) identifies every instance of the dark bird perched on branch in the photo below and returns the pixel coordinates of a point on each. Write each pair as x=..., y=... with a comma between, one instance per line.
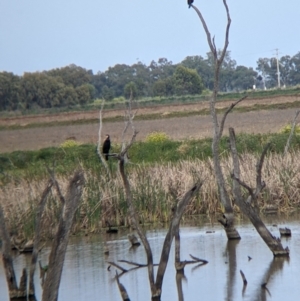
x=106, y=147
x=190, y=2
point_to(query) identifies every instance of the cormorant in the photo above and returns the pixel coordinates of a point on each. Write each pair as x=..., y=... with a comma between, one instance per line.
x=190, y=2
x=106, y=147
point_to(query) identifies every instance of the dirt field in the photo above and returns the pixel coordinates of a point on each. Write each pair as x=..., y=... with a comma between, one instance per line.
x=263, y=121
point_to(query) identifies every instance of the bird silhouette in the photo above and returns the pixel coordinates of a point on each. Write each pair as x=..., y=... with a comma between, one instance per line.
x=106, y=147
x=190, y=2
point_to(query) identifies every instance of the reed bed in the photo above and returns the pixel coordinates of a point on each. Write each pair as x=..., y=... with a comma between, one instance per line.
x=155, y=188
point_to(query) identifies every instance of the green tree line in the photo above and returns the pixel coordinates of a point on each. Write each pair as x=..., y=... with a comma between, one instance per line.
x=73, y=85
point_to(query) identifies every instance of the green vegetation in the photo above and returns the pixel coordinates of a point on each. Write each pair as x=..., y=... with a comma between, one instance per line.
x=157, y=164
x=156, y=149
x=73, y=87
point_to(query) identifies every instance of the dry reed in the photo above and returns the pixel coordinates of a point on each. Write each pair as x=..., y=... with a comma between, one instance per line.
x=104, y=201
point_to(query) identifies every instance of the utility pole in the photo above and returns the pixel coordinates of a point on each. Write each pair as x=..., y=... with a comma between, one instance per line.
x=278, y=72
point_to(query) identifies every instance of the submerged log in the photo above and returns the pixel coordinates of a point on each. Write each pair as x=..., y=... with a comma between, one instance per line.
x=285, y=231
x=110, y=229
x=133, y=240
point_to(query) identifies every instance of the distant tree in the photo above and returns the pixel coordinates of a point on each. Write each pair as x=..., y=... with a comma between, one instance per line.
x=84, y=94
x=68, y=97
x=295, y=69
x=130, y=88
x=107, y=93
x=243, y=78
x=99, y=81
x=268, y=68
x=226, y=70
x=161, y=69
x=117, y=77
x=203, y=68
x=163, y=87
x=187, y=81
x=72, y=75
x=10, y=92
x=40, y=90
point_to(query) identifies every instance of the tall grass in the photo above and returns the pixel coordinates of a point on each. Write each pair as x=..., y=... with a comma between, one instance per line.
x=104, y=199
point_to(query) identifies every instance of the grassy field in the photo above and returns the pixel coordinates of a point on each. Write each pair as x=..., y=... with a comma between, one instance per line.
x=175, y=163
x=180, y=122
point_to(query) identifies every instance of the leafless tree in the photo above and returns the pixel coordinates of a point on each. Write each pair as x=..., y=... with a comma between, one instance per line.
x=155, y=282
x=218, y=126
x=249, y=206
x=51, y=285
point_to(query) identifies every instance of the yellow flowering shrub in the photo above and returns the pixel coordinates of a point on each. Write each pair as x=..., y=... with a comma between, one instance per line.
x=69, y=143
x=156, y=137
x=287, y=129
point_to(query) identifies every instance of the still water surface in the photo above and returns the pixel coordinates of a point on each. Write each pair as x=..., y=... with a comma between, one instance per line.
x=85, y=275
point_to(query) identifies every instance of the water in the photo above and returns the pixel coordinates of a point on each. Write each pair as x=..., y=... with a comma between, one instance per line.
x=85, y=275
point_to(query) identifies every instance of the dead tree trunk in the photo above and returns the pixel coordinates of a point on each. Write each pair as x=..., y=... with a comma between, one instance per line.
x=36, y=241
x=228, y=216
x=249, y=206
x=7, y=260
x=59, y=246
x=156, y=286
x=287, y=146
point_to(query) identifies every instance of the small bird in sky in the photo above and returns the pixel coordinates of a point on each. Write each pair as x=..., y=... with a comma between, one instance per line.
x=190, y=2
x=106, y=147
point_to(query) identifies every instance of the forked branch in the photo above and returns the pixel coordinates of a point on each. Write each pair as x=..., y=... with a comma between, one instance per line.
x=287, y=146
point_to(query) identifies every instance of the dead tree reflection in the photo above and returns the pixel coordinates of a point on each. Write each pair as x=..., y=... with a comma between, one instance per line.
x=275, y=266
x=179, y=265
x=232, y=267
x=53, y=274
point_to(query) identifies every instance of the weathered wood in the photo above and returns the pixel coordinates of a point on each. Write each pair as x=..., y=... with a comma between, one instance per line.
x=7, y=259
x=243, y=277
x=218, y=57
x=122, y=289
x=179, y=210
x=59, y=246
x=134, y=218
x=287, y=146
x=249, y=206
x=133, y=240
x=37, y=234
x=285, y=231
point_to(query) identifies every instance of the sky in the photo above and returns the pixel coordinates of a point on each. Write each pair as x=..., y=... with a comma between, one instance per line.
x=37, y=35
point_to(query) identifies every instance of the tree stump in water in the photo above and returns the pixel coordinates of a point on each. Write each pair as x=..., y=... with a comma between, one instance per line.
x=133, y=240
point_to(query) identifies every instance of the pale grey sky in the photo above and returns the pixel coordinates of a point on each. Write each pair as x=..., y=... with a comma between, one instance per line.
x=37, y=35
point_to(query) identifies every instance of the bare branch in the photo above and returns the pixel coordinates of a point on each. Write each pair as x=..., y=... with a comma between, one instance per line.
x=243, y=277
x=117, y=266
x=99, y=152
x=226, y=43
x=125, y=150
x=250, y=190
x=196, y=259
x=211, y=42
x=171, y=232
x=260, y=185
x=140, y=265
x=134, y=220
x=227, y=112
x=56, y=185
x=287, y=146
x=122, y=289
